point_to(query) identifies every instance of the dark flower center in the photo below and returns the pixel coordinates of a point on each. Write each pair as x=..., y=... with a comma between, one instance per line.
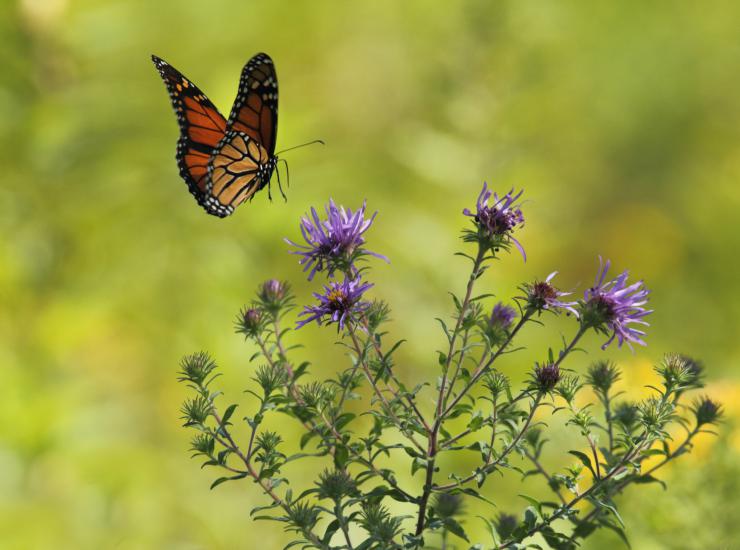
x=604, y=307
x=338, y=300
x=544, y=292
x=547, y=377
x=496, y=221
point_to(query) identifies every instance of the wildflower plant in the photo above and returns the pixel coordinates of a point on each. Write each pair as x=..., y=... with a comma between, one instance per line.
x=382, y=446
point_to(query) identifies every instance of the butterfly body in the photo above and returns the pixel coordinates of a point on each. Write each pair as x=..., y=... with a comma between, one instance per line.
x=225, y=162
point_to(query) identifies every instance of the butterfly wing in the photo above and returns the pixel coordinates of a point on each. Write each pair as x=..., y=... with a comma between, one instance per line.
x=202, y=128
x=238, y=168
x=255, y=108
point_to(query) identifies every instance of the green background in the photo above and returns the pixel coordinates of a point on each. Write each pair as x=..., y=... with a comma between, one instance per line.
x=619, y=119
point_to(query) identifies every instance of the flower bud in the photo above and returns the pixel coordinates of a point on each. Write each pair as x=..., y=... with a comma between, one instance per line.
x=249, y=323
x=602, y=375
x=448, y=505
x=627, y=414
x=546, y=377
x=706, y=411
x=506, y=524
x=496, y=327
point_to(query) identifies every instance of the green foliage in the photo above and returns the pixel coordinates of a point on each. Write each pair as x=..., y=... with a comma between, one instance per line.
x=476, y=415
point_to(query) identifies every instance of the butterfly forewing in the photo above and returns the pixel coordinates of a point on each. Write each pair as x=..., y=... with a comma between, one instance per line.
x=202, y=127
x=255, y=109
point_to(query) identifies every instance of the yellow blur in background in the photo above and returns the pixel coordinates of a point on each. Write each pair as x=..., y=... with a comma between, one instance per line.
x=619, y=119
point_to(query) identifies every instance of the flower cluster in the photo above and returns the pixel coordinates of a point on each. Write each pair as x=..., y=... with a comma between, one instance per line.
x=335, y=244
x=473, y=410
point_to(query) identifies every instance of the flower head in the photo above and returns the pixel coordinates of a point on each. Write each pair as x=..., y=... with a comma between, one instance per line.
x=502, y=316
x=496, y=327
x=706, y=411
x=497, y=221
x=340, y=302
x=614, y=306
x=543, y=295
x=334, y=243
x=546, y=377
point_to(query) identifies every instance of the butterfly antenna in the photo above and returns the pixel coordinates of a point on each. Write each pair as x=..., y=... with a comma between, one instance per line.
x=301, y=145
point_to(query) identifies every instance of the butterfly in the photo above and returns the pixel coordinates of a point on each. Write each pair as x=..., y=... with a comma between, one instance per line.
x=225, y=162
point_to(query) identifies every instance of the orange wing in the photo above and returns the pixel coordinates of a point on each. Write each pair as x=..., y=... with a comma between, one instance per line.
x=202, y=127
x=255, y=108
x=239, y=168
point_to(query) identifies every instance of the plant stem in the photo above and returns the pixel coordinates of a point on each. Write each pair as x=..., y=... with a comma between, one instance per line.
x=475, y=273
x=389, y=410
x=490, y=465
x=433, y=435
x=408, y=398
x=229, y=443
x=550, y=481
x=342, y=524
x=483, y=368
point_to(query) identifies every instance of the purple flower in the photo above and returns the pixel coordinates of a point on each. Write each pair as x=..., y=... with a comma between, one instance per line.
x=543, y=295
x=614, y=306
x=340, y=302
x=498, y=220
x=502, y=316
x=334, y=243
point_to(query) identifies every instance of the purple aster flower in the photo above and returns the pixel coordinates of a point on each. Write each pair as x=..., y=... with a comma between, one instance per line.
x=502, y=316
x=340, y=302
x=334, y=243
x=496, y=221
x=614, y=306
x=542, y=295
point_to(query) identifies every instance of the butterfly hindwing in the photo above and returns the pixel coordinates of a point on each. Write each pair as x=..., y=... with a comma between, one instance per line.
x=238, y=168
x=202, y=127
x=255, y=109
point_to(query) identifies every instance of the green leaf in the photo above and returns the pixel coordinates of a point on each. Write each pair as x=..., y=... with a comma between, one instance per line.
x=332, y=528
x=530, y=517
x=650, y=479
x=221, y=480
x=341, y=455
x=305, y=438
x=585, y=460
x=227, y=414
x=534, y=502
x=476, y=422
x=455, y=528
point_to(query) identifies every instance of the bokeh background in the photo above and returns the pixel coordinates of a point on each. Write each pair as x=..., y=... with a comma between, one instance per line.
x=621, y=120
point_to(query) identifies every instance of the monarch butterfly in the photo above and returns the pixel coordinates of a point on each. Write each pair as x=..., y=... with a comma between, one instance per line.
x=225, y=162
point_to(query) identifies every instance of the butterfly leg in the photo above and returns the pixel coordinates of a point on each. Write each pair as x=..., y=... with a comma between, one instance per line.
x=280, y=183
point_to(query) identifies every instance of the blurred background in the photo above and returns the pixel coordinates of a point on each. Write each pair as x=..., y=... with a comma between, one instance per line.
x=620, y=120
